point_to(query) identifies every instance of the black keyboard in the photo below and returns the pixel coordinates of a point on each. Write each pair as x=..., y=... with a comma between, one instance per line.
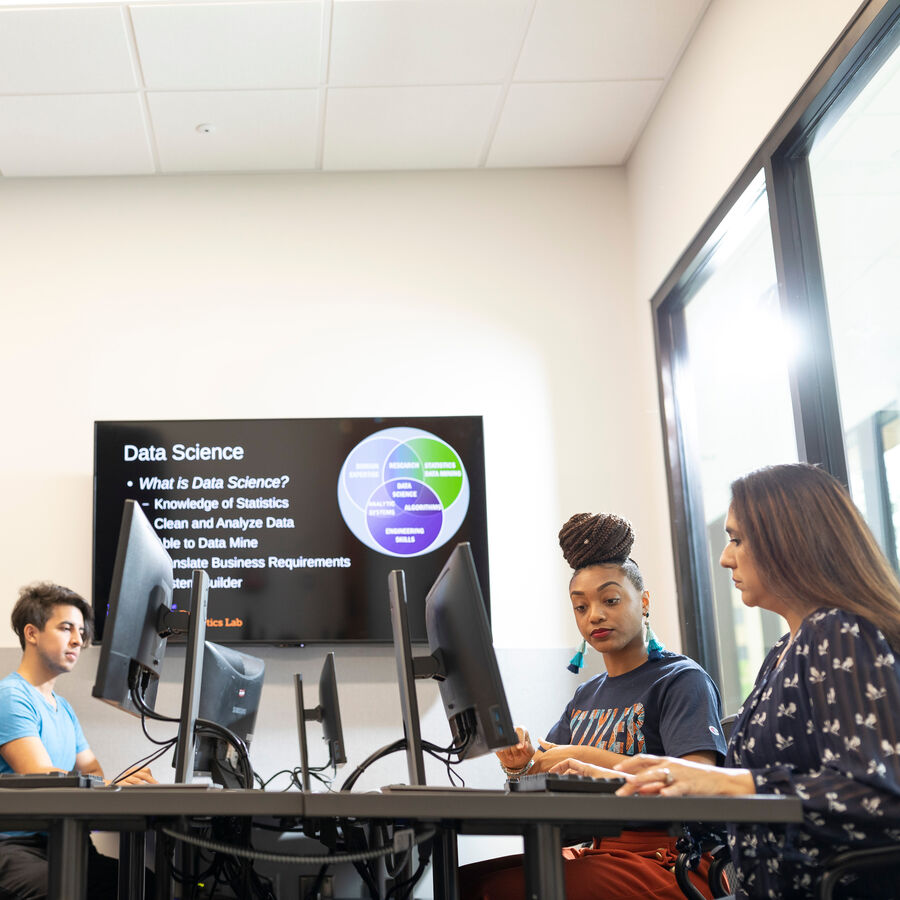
x=566, y=784
x=49, y=780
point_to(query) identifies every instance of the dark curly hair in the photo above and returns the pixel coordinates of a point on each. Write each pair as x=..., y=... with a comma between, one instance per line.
x=598, y=540
x=36, y=604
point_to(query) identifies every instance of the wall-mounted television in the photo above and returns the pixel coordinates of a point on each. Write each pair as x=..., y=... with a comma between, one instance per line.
x=297, y=522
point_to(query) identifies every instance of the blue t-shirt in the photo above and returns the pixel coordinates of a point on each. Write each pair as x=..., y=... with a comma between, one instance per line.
x=26, y=712
x=667, y=705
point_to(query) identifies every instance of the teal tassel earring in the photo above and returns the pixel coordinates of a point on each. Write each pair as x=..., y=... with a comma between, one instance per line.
x=654, y=648
x=576, y=664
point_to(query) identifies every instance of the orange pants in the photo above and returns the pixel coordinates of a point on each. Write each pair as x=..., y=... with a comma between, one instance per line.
x=636, y=865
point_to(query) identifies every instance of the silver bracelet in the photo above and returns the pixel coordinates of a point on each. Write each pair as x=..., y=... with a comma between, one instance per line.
x=515, y=773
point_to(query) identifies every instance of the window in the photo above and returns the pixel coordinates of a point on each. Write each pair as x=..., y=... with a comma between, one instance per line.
x=734, y=376
x=855, y=173
x=778, y=333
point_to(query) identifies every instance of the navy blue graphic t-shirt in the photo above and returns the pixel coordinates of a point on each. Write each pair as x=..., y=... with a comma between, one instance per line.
x=667, y=705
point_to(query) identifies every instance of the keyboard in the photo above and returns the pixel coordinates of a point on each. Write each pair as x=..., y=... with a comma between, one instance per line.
x=565, y=784
x=434, y=788
x=49, y=780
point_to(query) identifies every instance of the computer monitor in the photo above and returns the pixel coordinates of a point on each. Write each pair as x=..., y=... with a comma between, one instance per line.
x=462, y=660
x=328, y=712
x=460, y=639
x=132, y=648
x=231, y=689
x=139, y=619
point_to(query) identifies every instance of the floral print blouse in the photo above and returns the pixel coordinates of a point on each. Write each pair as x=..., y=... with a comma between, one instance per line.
x=822, y=724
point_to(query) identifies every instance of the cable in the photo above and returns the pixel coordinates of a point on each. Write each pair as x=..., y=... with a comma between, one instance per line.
x=410, y=883
x=201, y=726
x=204, y=726
x=145, y=761
x=138, y=698
x=296, y=778
x=369, y=760
x=291, y=859
x=401, y=744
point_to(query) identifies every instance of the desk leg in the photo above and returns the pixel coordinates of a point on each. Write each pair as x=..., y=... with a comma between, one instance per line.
x=68, y=859
x=131, y=865
x=163, y=867
x=543, y=862
x=445, y=862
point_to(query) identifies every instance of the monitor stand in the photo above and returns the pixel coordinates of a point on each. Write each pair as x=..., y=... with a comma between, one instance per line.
x=303, y=716
x=409, y=668
x=193, y=673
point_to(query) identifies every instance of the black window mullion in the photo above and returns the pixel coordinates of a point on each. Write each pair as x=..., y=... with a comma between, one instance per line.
x=801, y=284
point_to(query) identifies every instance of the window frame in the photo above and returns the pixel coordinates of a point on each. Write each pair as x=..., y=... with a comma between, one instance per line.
x=872, y=35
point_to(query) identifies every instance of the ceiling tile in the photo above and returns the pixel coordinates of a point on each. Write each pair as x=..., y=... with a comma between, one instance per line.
x=228, y=46
x=402, y=42
x=247, y=130
x=74, y=134
x=578, y=124
x=408, y=127
x=595, y=40
x=56, y=51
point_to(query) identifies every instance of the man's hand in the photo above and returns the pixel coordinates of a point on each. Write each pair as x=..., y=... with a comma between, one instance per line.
x=517, y=756
x=137, y=776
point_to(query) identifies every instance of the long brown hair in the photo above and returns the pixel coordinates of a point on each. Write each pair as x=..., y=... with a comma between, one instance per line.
x=811, y=545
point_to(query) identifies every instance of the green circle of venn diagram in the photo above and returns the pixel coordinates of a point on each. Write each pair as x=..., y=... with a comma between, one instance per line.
x=442, y=468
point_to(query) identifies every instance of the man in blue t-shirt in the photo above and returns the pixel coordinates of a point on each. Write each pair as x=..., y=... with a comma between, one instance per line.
x=39, y=731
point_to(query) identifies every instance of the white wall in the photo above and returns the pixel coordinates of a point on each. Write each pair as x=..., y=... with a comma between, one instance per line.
x=743, y=67
x=504, y=294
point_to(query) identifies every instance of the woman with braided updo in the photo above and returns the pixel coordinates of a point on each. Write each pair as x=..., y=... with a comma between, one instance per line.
x=648, y=698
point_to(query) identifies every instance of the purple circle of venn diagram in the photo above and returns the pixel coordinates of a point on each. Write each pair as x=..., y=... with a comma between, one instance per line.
x=386, y=500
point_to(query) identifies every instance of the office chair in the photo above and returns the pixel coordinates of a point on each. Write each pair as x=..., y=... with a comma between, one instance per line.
x=886, y=858
x=691, y=848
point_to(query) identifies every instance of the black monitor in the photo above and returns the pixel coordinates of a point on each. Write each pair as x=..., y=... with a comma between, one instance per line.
x=132, y=650
x=139, y=619
x=230, y=693
x=460, y=639
x=462, y=660
x=328, y=712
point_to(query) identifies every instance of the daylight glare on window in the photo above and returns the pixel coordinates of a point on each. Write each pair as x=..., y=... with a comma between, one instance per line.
x=855, y=170
x=735, y=394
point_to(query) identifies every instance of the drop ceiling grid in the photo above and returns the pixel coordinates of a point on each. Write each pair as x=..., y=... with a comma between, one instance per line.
x=300, y=85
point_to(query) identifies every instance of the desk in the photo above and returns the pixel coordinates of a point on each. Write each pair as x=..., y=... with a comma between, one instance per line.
x=68, y=815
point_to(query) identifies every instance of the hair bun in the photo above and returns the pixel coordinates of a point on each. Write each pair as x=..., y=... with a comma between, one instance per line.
x=590, y=540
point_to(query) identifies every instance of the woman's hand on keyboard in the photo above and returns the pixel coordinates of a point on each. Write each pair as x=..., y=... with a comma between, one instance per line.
x=577, y=767
x=516, y=756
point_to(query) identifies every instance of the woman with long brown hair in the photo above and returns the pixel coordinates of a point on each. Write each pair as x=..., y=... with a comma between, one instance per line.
x=823, y=720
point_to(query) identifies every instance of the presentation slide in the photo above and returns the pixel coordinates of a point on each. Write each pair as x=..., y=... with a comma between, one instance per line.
x=297, y=522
